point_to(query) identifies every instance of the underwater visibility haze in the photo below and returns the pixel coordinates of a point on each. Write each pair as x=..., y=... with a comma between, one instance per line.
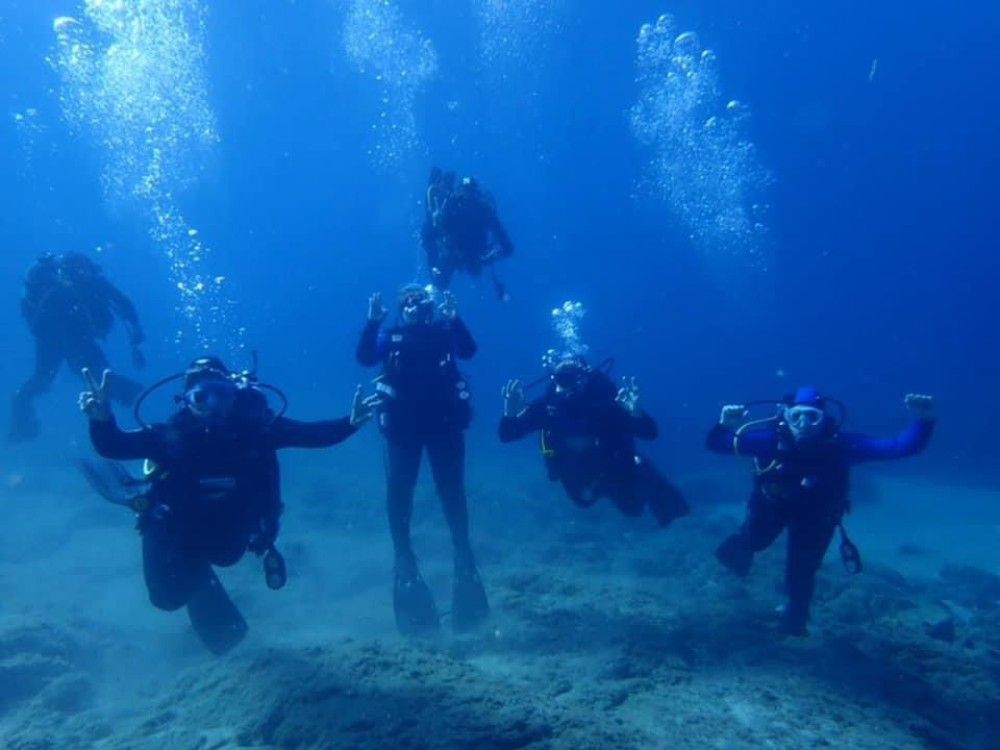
x=557, y=243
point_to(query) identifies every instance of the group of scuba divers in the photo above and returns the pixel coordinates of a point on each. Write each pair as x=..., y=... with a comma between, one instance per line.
x=210, y=488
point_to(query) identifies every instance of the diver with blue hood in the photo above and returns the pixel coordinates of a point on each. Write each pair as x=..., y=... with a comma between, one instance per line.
x=801, y=483
x=212, y=488
x=425, y=406
x=588, y=430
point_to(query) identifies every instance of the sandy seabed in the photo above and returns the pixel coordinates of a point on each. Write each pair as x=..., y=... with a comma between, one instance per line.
x=605, y=634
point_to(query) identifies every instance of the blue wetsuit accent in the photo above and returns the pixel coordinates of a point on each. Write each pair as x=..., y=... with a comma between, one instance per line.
x=804, y=488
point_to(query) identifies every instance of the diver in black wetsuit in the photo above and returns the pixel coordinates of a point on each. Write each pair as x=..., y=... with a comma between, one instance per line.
x=801, y=483
x=588, y=431
x=213, y=489
x=69, y=305
x=461, y=230
x=425, y=405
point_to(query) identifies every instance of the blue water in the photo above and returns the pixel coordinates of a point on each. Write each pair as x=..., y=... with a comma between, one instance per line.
x=836, y=226
x=881, y=240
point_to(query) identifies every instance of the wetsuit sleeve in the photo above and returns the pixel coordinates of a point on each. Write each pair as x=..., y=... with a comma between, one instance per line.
x=110, y=441
x=643, y=426
x=125, y=310
x=756, y=443
x=465, y=345
x=500, y=235
x=290, y=433
x=371, y=347
x=532, y=419
x=909, y=442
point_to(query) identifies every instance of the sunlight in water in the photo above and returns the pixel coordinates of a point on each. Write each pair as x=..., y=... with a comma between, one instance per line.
x=133, y=80
x=703, y=163
x=401, y=61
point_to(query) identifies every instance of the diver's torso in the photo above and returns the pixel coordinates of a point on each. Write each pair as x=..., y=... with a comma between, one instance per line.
x=581, y=433
x=219, y=477
x=805, y=477
x=422, y=385
x=67, y=313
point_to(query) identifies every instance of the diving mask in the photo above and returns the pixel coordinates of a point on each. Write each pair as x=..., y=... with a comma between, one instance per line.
x=805, y=421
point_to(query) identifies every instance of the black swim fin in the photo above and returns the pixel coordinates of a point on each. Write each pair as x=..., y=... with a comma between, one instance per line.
x=214, y=617
x=664, y=500
x=413, y=603
x=469, y=606
x=113, y=482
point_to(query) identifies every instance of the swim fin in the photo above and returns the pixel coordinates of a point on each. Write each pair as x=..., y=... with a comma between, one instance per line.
x=112, y=481
x=665, y=501
x=413, y=603
x=736, y=554
x=469, y=606
x=215, y=619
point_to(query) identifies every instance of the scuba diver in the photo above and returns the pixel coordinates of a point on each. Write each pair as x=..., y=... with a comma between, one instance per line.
x=212, y=489
x=69, y=305
x=588, y=432
x=461, y=230
x=425, y=405
x=801, y=483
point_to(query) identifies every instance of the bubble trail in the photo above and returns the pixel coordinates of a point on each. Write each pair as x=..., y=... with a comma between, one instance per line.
x=566, y=322
x=133, y=81
x=703, y=165
x=401, y=61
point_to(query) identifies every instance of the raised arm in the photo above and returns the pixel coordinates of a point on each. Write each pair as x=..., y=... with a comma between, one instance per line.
x=503, y=241
x=727, y=437
x=110, y=441
x=465, y=345
x=291, y=433
x=125, y=311
x=526, y=421
x=909, y=442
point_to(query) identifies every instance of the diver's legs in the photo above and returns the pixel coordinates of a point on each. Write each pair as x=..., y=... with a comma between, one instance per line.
x=446, y=453
x=89, y=354
x=214, y=617
x=808, y=540
x=24, y=424
x=172, y=570
x=764, y=522
x=412, y=601
x=402, y=464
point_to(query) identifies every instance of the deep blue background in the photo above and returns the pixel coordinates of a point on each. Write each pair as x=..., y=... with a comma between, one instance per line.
x=883, y=274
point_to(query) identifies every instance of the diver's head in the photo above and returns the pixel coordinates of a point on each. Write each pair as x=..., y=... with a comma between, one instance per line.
x=569, y=377
x=209, y=389
x=806, y=416
x=415, y=304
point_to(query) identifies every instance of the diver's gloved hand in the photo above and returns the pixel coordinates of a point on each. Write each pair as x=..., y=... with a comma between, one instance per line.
x=628, y=396
x=362, y=408
x=448, y=307
x=733, y=415
x=376, y=310
x=920, y=405
x=513, y=398
x=95, y=403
